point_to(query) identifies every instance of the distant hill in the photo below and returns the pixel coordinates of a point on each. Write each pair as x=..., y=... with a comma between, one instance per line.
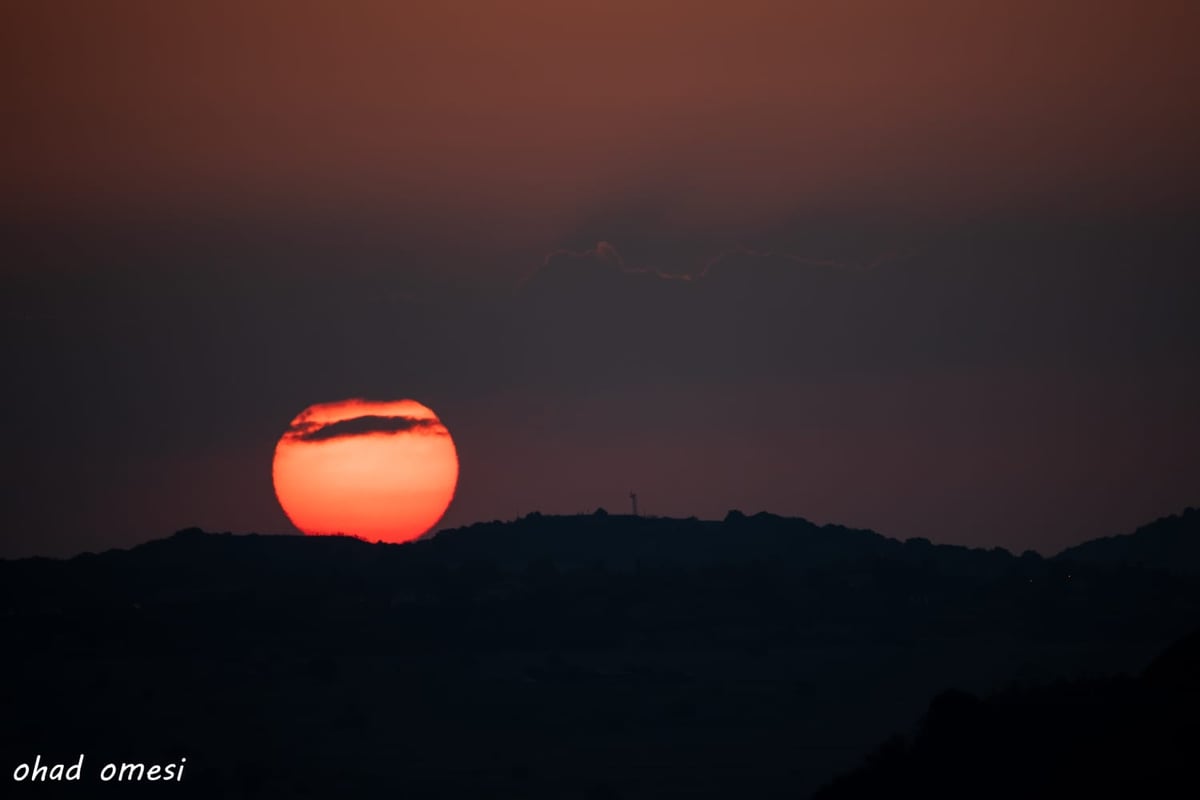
x=548, y=657
x=777, y=578
x=196, y=565
x=859, y=567
x=613, y=541
x=1169, y=543
x=625, y=542
x=1111, y=737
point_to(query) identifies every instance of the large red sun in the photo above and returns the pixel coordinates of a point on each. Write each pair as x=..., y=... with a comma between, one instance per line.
x=377, y=470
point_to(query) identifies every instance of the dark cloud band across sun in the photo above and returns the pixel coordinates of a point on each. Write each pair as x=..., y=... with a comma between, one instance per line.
x=362, y=426
x=365, y=479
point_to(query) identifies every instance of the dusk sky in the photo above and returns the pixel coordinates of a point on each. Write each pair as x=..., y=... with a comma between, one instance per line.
x=924, y=267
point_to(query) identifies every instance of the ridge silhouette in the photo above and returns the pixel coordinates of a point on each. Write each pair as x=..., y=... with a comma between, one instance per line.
x=1102, y=737
x=580, y=656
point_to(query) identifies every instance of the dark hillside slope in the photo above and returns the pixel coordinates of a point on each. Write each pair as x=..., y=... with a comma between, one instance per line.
x=549, y=657
x=1170, y=543
x=1100, y=738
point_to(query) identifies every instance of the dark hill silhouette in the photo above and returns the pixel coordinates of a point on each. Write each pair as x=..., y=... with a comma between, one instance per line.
x=1102, y=738
x=1169, y=543
x=192, y=559
x=598, y=655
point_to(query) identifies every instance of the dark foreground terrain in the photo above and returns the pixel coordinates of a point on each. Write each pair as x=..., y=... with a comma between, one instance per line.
x=604, y=657
x=1098, y=738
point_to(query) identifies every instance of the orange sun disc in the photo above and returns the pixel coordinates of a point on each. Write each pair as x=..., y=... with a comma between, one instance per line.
x=382, y=470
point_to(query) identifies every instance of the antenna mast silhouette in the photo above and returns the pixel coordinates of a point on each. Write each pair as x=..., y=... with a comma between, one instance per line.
x=633, y=497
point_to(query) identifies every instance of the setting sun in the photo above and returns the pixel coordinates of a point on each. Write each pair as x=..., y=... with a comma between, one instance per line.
x=382, y=470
